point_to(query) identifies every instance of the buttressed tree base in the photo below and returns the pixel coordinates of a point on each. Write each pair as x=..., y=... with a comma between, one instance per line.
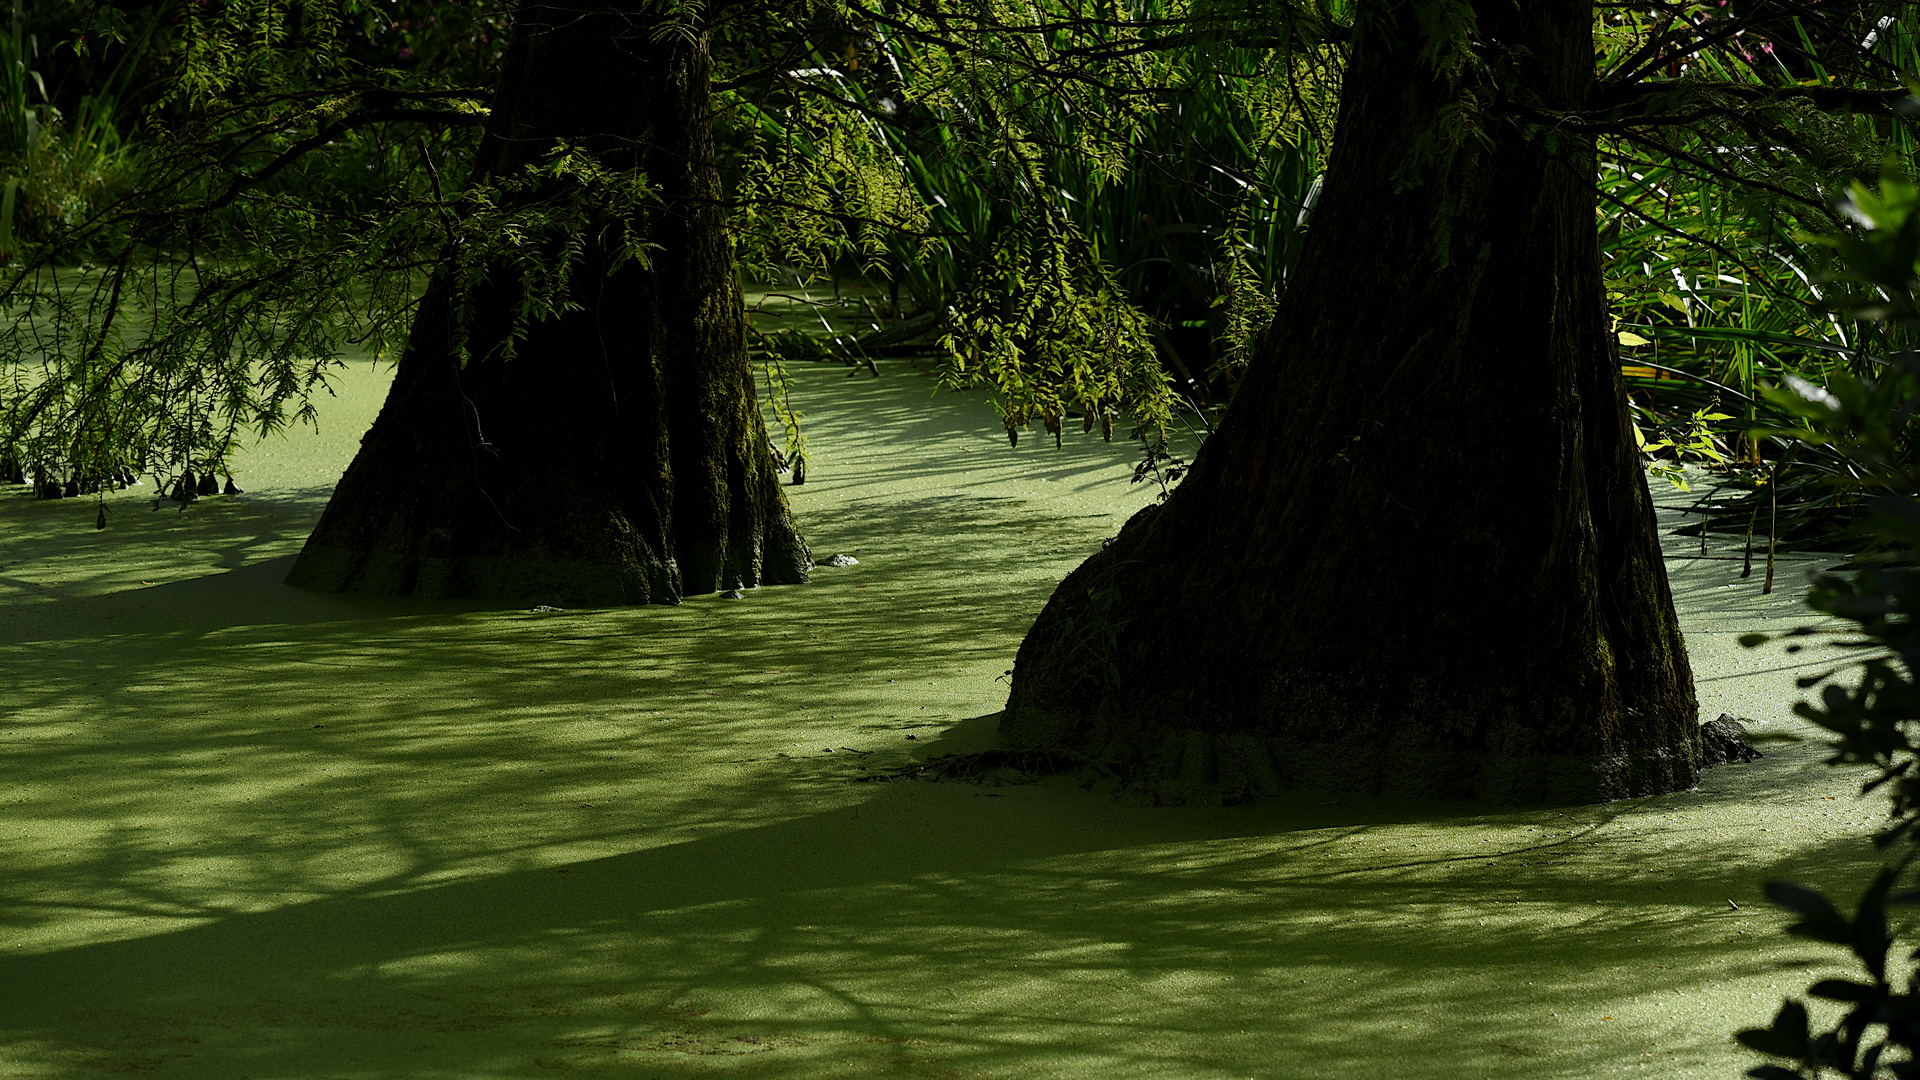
x=615, y=453
x=1418, y=557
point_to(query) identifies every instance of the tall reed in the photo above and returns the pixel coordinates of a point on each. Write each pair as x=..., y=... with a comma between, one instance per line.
x=1719, y=295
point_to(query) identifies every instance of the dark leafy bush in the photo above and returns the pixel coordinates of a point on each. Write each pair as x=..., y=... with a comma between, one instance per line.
x=1871, y=707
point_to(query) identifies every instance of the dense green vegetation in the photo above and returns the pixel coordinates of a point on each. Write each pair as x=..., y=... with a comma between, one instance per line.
x=1094, y=212
x=1873, y=714
x=1720, y=291
x=867, y=146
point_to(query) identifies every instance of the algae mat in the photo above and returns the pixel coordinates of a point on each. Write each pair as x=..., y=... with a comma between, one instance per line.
x=256, y=832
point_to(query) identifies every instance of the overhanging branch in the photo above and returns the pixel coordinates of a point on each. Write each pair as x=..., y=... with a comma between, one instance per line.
x=1672, y=104
x=442, y=117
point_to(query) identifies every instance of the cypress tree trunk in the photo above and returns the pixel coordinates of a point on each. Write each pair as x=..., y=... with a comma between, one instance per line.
x=1419, y=554
x=619, y=457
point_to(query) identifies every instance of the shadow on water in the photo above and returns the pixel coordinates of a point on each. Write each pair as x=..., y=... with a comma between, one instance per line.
x=938, y=930
x=259, y=832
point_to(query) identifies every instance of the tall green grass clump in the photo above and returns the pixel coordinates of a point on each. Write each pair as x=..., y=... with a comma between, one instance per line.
x=57, y=168
x=1720, y=290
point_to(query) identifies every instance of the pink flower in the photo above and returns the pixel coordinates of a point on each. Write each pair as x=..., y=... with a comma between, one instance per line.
x=405, y=54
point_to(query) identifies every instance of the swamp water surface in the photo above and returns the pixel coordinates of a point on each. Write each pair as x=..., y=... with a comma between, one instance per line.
x=249, y=831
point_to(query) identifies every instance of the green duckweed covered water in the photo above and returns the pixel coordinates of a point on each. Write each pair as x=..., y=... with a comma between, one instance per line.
x=254, y=832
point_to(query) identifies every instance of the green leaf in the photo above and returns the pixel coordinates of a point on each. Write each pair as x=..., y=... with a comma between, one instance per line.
x=1628, y=337
x=1786, y=1038
x=1844, y=990
x=1819, y=919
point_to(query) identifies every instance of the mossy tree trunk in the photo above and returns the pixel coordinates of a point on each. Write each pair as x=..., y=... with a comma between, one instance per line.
x=1419, y=554
x=619, y=457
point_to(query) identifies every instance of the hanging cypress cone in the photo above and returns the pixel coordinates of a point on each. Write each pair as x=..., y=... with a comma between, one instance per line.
x=208, y=485
x=231, y=488
x=100, y=522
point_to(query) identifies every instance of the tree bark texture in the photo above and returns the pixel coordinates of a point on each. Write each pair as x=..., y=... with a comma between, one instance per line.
x=620, y=456
x=1418, y=556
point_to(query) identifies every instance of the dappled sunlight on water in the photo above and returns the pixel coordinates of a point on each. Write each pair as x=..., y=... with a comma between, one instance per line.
x=254, y=831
